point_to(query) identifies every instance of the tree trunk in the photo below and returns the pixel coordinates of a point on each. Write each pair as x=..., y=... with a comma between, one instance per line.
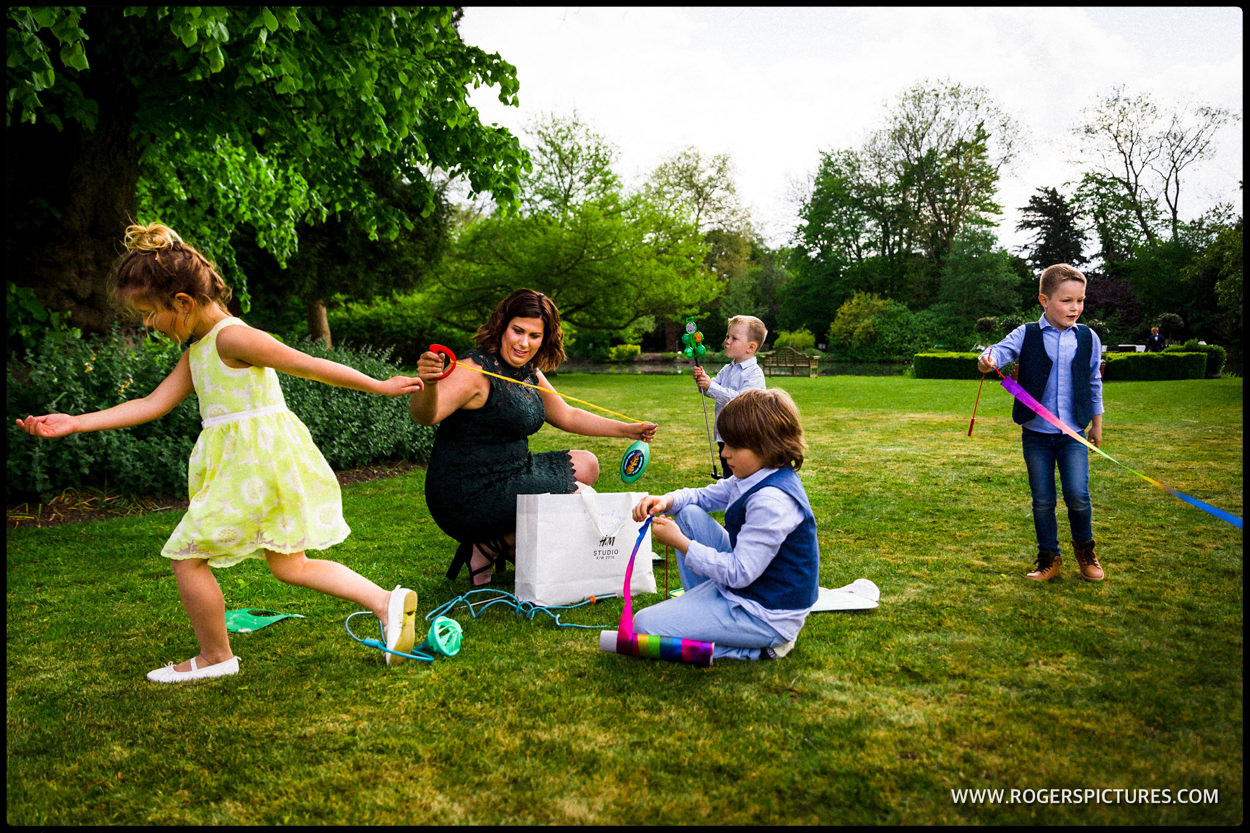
x=318, y=322
x=672, y=337
x=69, y=195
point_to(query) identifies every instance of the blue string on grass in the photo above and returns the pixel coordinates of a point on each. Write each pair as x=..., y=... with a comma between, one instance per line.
x=443, y=639
x=527, y=610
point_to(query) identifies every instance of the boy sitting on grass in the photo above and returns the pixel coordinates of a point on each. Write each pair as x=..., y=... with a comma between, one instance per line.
x=749, y=585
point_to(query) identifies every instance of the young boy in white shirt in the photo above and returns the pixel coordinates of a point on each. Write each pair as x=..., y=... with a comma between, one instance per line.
x=744, y=338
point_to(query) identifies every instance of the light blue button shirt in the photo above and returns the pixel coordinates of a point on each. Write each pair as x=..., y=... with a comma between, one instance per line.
x=1060, y=346
x=733, y=379
x=771, y=515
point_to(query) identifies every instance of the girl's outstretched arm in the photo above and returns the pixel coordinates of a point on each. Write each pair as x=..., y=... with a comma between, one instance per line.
x=175, y=388
x=249, y=346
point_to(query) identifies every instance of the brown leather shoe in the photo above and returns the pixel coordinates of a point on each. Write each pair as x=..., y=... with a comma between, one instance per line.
x=1091, y=570
x=1047, y=566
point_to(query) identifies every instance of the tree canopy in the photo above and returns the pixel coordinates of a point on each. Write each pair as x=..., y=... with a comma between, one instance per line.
x=611, y=259
x=233, y=121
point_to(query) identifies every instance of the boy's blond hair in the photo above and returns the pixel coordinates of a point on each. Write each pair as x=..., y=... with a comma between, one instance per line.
x=1052, y=276
x=767, y=423
x=756, y=331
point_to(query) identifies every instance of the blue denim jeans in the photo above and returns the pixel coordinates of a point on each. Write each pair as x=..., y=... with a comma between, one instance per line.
x=702, y=612
x=1042, y=454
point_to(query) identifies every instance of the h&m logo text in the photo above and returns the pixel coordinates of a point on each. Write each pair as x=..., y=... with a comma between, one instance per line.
x=607, y=547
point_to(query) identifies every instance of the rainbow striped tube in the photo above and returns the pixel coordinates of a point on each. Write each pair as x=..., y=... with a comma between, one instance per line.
x=671, y=648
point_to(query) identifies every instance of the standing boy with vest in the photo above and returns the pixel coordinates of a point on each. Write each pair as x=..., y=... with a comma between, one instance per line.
x=749, y=585
x=1059, y=367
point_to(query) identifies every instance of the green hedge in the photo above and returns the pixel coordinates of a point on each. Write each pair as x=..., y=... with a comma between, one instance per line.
x=78, y=375
x=947, y=365
x=1216, y=355
x=1154, y=367
x=1121, y=367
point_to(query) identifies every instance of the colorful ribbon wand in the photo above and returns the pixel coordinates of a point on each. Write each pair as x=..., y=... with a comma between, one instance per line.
x=1013, y=387
x=625, y=640
x=696, y=349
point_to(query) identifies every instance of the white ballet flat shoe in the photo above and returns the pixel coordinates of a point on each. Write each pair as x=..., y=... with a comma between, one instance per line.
x=169, y=675
x=401, y=623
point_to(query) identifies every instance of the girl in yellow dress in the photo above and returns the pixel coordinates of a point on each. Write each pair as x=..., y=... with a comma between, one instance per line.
x=259, y=486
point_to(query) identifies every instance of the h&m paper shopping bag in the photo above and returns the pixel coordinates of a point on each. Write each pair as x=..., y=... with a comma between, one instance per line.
x=572, y=547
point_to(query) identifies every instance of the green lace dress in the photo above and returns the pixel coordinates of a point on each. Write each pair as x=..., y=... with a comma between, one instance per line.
x=256, y=479
x=481, y=459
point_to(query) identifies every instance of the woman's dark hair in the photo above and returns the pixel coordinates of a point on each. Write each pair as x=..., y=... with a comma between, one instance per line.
x=525, y=303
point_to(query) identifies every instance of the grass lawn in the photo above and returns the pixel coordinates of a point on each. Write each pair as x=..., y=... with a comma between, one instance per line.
x=1126, y=693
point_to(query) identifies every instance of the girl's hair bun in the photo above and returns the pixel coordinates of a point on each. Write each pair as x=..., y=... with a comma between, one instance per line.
x=154, y=237
x=159, y=265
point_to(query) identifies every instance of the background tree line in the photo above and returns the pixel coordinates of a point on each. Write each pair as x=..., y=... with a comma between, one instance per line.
x=312, y=152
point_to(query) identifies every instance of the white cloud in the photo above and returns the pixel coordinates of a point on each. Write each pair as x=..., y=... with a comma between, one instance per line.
x=773, y=87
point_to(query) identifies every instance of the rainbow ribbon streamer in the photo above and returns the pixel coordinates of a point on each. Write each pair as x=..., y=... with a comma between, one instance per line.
x=624, y=640
x=1013, y=387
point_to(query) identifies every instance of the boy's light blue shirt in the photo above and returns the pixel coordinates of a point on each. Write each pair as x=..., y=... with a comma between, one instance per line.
x=1061, y=348
x=771, y=516
x=733, y=379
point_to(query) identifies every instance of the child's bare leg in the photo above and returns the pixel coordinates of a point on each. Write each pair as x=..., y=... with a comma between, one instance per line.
x=331, y=578
x=206, y=608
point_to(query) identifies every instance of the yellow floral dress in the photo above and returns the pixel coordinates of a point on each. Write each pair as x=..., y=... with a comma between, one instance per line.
x=257, y=481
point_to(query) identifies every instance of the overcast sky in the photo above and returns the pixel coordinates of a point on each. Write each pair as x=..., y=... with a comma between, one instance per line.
x=773, y=87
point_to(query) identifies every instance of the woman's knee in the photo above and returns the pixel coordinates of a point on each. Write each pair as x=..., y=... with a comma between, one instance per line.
x=585, y=466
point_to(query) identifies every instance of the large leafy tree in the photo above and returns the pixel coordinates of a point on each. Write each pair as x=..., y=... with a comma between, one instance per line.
x=1138, y=150
x=1057, y=233
x=704, y=186
x=611, y=260
x=977, y=275
x=884, y=218
x=947, y=144
x=226, y=121
x=337, y=261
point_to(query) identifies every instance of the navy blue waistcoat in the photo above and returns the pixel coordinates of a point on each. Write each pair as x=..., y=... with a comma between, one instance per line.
x=792, y=580
x=1035, y=367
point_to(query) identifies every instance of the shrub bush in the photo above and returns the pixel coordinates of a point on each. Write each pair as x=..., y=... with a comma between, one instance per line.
x=874, y=329
x=1154, y=367
x=946, y=365
x=800, y=339
x=1216, y=355
x=624, y=353
x=1007, y=323
x=78, y=375
x=353, y=428
x=402, y=323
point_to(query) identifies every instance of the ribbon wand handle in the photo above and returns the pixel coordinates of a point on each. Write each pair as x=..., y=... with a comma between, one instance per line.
x=974, y=407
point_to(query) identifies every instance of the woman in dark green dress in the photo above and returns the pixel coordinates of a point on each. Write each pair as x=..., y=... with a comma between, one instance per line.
x=481, y=459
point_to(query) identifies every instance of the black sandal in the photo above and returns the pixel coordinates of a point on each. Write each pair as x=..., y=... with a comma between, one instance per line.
x=495, y=550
